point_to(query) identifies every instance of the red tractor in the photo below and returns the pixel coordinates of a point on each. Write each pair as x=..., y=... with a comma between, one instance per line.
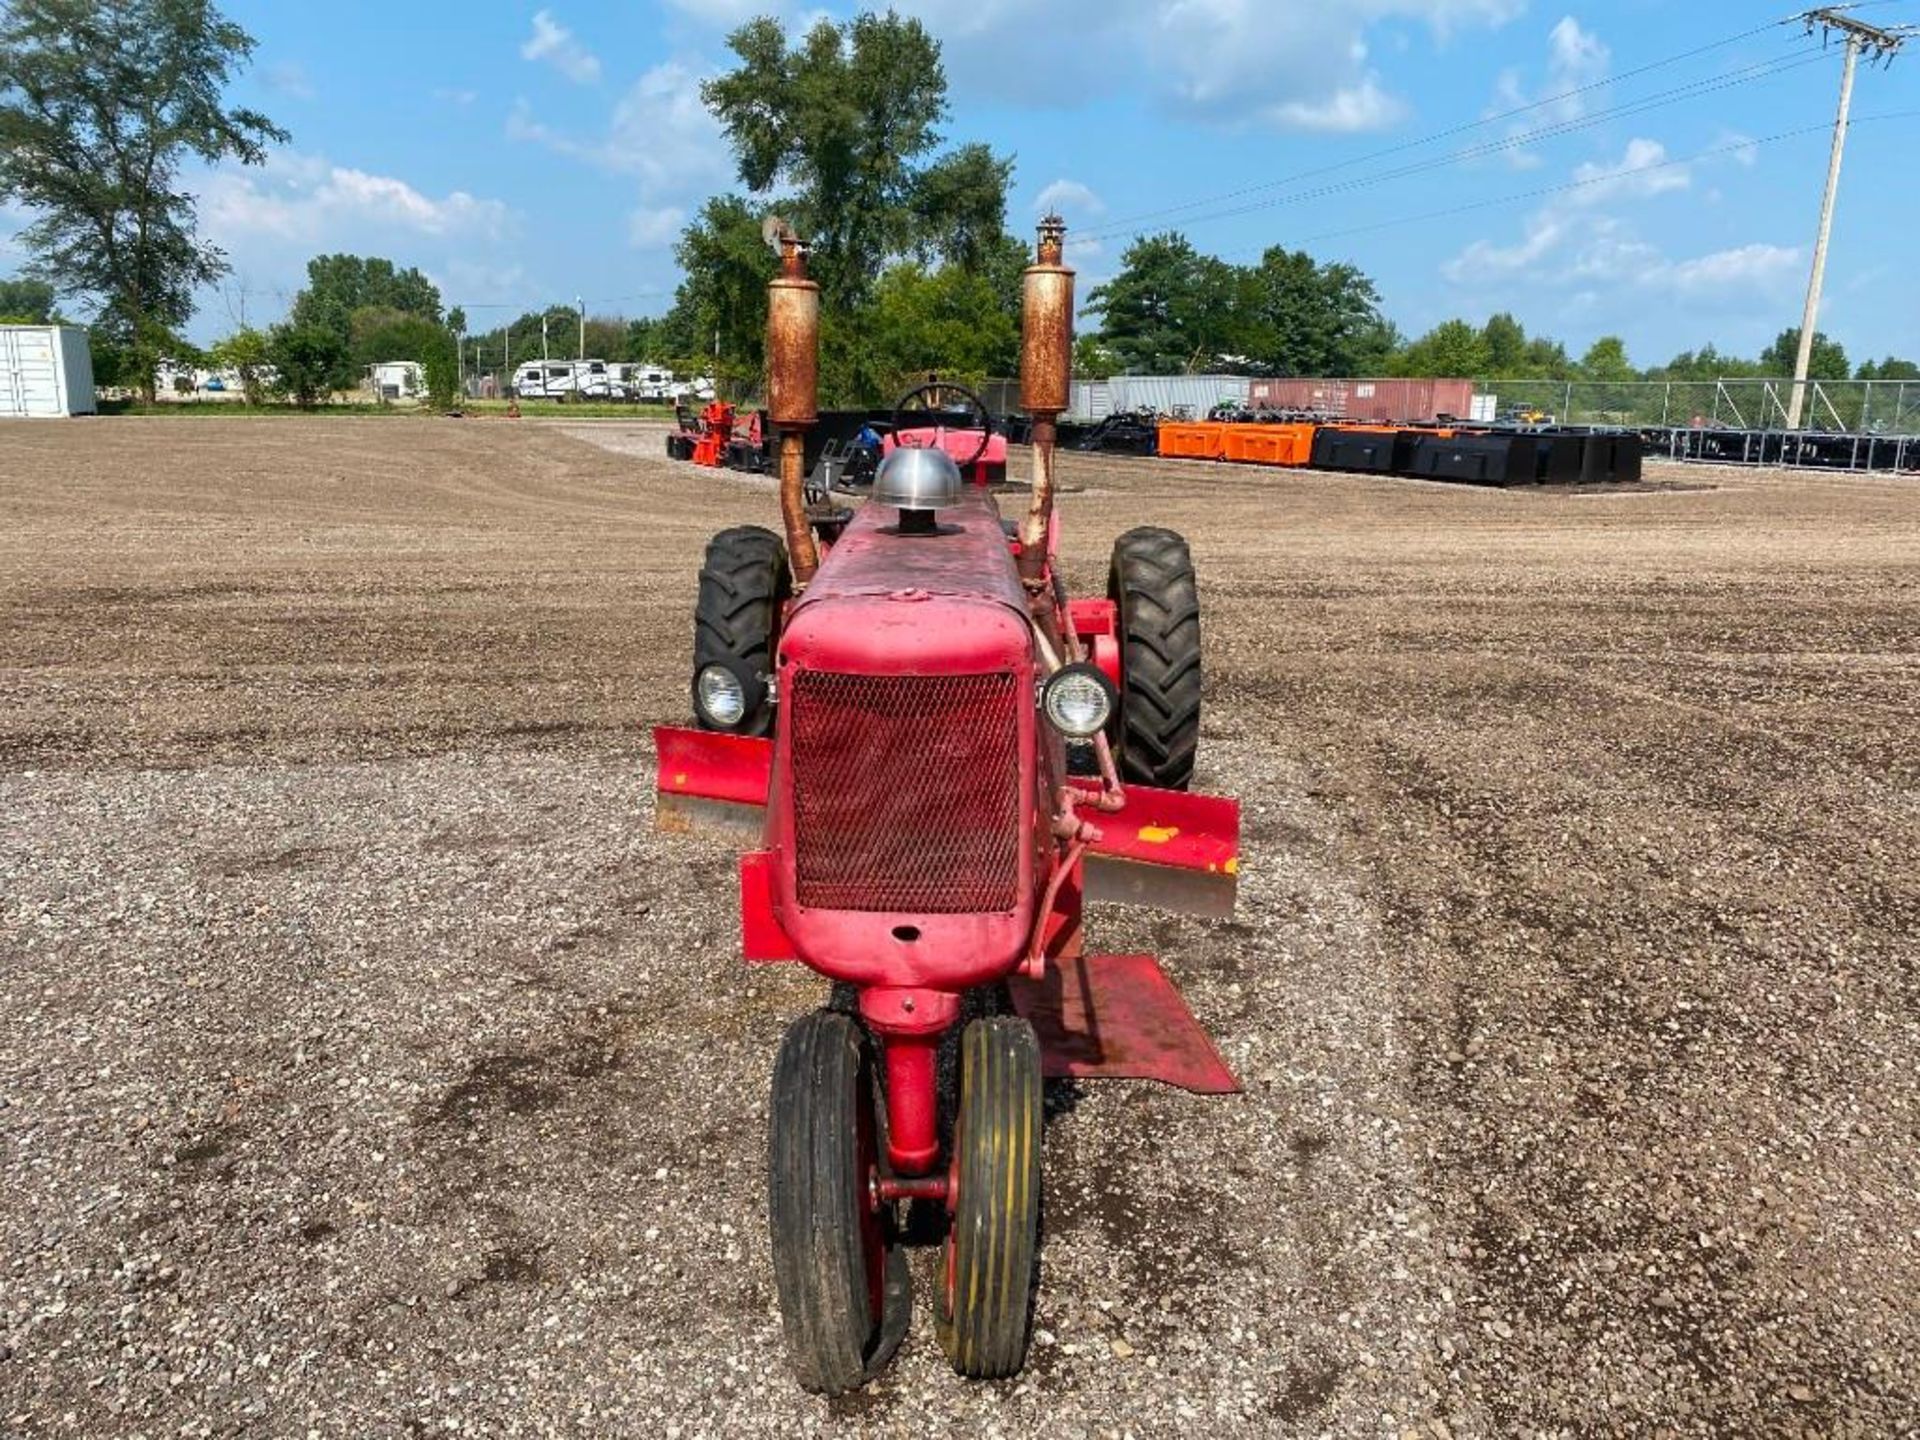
x=940, y=757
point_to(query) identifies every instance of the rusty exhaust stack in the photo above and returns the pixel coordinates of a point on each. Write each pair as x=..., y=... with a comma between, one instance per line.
x=1046, y=380
x=793, y=393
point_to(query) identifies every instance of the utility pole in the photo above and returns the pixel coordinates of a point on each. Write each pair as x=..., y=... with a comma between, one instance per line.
x=544, y=356
x=1883, y=45
x=581, y=306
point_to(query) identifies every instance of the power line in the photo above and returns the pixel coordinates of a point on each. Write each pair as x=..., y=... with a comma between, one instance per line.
x=1119, y=226
x=1766, y=70
x=1607, y=178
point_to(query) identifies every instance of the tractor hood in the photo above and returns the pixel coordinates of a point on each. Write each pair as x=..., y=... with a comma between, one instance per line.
x=967, y=559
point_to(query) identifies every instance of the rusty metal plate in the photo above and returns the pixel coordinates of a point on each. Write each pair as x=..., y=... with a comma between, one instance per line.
x=1210, y=896
x=1106, y=1017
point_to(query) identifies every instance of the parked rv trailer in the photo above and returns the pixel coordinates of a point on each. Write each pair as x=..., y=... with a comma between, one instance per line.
x=562, y=380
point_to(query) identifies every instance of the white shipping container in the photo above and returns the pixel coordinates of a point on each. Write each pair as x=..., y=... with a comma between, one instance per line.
x=46, y=371
x=1194, y=394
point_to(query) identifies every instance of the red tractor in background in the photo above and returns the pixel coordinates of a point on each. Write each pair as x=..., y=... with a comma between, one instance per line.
x=705, y=439
x=939, y=756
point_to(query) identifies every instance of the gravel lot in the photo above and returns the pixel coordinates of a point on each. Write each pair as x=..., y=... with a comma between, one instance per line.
x=368, y=1067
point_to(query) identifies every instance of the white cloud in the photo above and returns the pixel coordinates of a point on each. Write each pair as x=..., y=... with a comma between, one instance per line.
x=1483, y=261
x=1746, y=267
x=1582, y=252
x=303, y=198
x=650, y=229
x=1359, y=107
x=554, y=44
x=1070, y=198
x=660, y=134
x=450, y=95
x=1237, y=64
x=1742, y=149
x=1577, y=60
x=1641, y=172
x=290, y=79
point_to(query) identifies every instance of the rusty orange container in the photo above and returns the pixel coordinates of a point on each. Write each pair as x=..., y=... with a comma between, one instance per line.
x=1203, y=441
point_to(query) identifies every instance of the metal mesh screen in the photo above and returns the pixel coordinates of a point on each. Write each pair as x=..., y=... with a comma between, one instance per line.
x=906, y=792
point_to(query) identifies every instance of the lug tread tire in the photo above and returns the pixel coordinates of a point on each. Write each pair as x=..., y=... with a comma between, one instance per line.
x=813, y=1198
x=744, y=586
x=997, y=1221
x=1153, y=584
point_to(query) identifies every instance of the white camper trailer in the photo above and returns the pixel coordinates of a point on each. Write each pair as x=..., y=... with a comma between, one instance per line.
x=645, y=384
x=562, y=380
x=45, y=371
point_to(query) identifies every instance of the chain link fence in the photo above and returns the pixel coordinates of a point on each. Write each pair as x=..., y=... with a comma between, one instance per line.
x=1860, y=407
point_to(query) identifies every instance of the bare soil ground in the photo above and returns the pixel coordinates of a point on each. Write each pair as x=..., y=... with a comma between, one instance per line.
x=368, y=1067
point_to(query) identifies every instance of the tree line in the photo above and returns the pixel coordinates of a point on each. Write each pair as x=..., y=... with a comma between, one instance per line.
x=835, y=132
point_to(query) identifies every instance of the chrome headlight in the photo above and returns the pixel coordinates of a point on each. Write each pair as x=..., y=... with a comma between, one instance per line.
x=720, y=696
x=1078, y=701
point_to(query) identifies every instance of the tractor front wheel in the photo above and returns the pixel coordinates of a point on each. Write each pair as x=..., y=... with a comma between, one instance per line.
x=983, y=1312
x=744, y=586
x=845, y=1294
x=1157, y=599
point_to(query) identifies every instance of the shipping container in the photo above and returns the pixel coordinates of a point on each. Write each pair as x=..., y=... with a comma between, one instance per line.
x=1193, y=395
x=46, y=371
x=1387, y=401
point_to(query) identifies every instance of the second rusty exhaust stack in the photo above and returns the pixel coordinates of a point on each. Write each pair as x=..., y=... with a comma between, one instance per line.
x=1046, y=380
x=793, y=393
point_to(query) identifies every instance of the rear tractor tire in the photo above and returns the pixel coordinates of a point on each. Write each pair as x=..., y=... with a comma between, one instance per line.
x=845, y=1293
x=744, y=586
x=1156, y=733
x=983, y=1311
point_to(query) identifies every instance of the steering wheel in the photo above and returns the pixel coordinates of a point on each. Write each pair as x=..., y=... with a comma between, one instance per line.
x=929, y=396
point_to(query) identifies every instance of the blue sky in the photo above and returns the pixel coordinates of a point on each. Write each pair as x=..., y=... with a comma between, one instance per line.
x=524, y=153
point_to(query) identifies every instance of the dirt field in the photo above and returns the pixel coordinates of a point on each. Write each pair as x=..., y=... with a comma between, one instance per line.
x=367, y=1067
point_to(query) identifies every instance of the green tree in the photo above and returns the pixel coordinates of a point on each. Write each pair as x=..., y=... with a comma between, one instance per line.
x=1889, y=369
x=1453, y=349
x=721, y=307
x=338, y=286
x=1706, y=363
x=101, y=103
x=1092, y=360
x=1169, y=309
x=26, y=302
x=1506, y=341
x=843, y=123
x=943, y=320
x=245, y=352
x=309, y=362
x=1606, y=359
x=1546, y=360
x=1299, y=317
x=959, y=207
x=1374, y=346
x=1828, y=362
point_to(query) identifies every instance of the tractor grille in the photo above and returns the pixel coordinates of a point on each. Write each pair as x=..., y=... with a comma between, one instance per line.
x=906, y=792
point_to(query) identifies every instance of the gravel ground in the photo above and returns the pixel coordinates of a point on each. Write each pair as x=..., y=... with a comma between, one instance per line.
x=368, y=1067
